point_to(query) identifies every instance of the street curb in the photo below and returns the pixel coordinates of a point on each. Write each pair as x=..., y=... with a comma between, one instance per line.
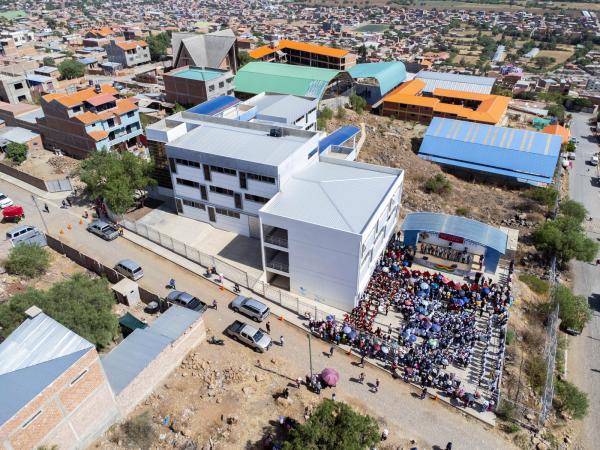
x=352, y=354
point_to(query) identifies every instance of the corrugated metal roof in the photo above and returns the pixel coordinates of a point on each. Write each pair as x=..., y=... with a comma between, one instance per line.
x=343, y=196
x=142, y=346
x=338, y=137
x=468, y=83
x=389, y=74
x=215, y=105
x=520, y=154
x=288, y=107
x=36, y=341
x=257, y=77
x=469, y=229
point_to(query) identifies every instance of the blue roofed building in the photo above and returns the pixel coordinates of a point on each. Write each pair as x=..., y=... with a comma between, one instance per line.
x=521, y=156
x=51, y=383
x=375, y=80
x=454, y=244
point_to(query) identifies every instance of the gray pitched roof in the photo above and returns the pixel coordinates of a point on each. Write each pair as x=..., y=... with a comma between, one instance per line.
x=206, y=50
x=32, y=357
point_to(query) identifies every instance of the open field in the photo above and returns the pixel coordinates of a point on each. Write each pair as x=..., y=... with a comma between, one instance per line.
x=559, y=55
x=372, y=27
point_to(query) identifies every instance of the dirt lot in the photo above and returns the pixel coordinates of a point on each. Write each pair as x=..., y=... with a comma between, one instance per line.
x=46, y=165
x=559, y=55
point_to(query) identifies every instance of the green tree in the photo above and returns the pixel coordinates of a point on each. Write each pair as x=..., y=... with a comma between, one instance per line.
x=571, y=208
x=70, y=68
x=116, y=177
x=574, y=309
x=565, y=239
x=28, y=260
x=358, y=103
x=48, y=61
x=333, y=426
x=557, y=111
x=243, y=58
x=82, y=304
x=178, y=108
x=16, y=152
x=438, y=184
x=545, y=196
x=158, y=44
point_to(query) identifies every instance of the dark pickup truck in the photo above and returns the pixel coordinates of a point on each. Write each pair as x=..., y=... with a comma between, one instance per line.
x=258, y=340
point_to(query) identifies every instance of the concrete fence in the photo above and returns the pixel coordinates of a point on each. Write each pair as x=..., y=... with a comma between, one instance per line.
x=45, y=185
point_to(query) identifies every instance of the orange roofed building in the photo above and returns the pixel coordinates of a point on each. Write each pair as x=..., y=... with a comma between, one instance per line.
x=407, y=102
x=90, y=119
x=305, y=54
x=128, y=53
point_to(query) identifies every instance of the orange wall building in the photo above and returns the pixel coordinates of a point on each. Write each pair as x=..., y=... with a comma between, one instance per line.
x=407, y=103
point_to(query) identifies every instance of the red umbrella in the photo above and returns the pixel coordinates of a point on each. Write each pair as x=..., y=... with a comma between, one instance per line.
x=330, y=376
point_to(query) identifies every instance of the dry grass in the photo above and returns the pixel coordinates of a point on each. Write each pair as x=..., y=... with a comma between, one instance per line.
x=559, y=55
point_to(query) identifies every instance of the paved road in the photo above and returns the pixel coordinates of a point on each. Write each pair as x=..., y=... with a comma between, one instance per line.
x=429, y=422
x=584, y=351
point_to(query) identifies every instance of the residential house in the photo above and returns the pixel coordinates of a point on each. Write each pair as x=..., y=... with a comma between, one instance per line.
x=128, y=53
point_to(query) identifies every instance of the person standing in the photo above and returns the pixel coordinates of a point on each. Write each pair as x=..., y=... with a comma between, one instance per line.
x=362, y=360
x=384, y=434
x=172, y=283
x=281, y=341
x=331, y=350
x=268, y=326
x=46, y=209
x=298, y=382
x=361, y=378
x=376, y=387
x=333, y=397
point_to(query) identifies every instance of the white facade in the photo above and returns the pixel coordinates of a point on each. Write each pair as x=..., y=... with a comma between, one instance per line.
x=323, y=222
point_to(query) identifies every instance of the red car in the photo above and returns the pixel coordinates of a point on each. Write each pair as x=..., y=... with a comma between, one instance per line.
x=13, y=213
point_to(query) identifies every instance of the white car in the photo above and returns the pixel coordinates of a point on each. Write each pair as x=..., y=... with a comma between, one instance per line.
x=5, y=201
x=594, y=160
x=574, y=140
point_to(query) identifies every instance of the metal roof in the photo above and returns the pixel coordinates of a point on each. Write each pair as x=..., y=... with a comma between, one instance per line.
x=468, y=229
x=32, y=357
x=215, y=105
x=388, y=74
x=525, y=155
x=142, y=346
x=338, y=137
x=467, y=83
x=342, y=195
x=304, y=81
x=281, y=106
x=17, y=134
x=241, y=141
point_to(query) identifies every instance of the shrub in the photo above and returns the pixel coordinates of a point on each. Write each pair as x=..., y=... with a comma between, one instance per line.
x=545, y=196
x=510, y=336
x=570, y=147
x=565, y=239
x=138, y=431
x=463, y=211
x=536, y=284
x=570, y=399
x=82, y=304
x=16, y=152
x=536, y=372
x=574, y=310
x=341, y=112
x=571, y=208
x=505, y=409
x=511, y=428
x=326, y=113
x=333, y=426
x=28, y=260
x=358, y=103
x=438, y=184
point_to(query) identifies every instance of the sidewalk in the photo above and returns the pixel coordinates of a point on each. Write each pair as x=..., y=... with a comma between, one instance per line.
x=35, y=191
x=290, y=316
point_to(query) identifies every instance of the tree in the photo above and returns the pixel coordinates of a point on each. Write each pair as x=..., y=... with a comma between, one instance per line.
x=574, y=309
x=243, y=58
x=333, y=426
x=362, y=54
x=565, y=239
x=557, y=111
x=438, y=184
x=71, y=68
x=571, y=208
x=358, y=103
x=28, y=260
x=545, y=196
x=82, y=304
x=48, y=61
x=158, y=43
x=117, y=178
x=16, y=152
x=569, y=398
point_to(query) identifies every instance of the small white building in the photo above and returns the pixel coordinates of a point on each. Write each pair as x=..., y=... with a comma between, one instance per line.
x=323, y=221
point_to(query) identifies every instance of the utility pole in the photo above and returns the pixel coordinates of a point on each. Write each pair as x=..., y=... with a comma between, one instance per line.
x=310, y=354
x=40, y=213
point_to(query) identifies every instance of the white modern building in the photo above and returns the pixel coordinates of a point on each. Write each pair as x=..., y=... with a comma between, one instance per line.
x=323, y=220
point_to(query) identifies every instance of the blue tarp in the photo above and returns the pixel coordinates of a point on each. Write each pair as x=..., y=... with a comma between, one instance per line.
x=338, y=137
x=214, y=106
x=468, y=229
x=525, y=155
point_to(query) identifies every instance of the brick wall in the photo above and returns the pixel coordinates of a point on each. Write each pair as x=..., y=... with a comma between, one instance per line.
x=160, y=368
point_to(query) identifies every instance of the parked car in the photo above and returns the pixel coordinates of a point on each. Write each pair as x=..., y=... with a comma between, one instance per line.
x=594, y=160
x=257, y=339
x=5, y=201
x=103, y=229
x=187, y=301
x=21, y=233
x=13, y=213
x=254, y=309
x=130, y=269
x=574, y=140
x=571, y=155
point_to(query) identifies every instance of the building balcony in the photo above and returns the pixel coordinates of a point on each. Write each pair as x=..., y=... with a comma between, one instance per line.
x=277, y=260
x=275, y=236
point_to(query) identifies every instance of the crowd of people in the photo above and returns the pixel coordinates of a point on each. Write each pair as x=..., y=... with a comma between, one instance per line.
x=449, y=253
x=442, y=324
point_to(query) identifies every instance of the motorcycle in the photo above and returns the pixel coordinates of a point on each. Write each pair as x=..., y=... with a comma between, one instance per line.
x=213, y=340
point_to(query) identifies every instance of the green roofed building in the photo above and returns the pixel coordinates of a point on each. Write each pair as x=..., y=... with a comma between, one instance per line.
x=375, y=80
x=312, y=82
